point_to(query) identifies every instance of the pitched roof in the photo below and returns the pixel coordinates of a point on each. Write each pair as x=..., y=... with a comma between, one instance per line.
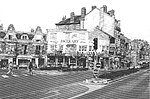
x=67, y=21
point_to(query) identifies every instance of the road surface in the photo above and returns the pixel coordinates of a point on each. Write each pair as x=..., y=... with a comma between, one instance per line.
x=136, y=86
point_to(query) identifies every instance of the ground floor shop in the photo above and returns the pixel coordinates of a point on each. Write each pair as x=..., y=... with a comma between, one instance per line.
x=66, y=61
x=5, y=59
x=22, y=60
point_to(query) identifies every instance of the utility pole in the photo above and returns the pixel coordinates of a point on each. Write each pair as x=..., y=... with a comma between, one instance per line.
x=16, y=52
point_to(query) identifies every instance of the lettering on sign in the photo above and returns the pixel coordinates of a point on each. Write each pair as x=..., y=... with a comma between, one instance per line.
x=69, y=41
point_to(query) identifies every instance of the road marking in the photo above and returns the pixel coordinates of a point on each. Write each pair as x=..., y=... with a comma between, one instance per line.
x=91, y=88
x=5, y=76
x=25, y=74
x=55, y=91
x=15, y=75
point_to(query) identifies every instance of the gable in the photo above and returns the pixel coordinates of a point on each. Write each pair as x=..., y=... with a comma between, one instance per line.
x=2, y=34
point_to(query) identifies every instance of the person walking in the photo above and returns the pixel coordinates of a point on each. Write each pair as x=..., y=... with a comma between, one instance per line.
x=30, y=68
x=10, y=69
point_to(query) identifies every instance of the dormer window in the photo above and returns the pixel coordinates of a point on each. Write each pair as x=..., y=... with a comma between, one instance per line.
x=24, y=37
x=38, y=40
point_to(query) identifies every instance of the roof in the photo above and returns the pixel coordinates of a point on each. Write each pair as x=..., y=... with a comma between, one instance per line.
x=67, y=21
x=76, y=19
x=18, y=35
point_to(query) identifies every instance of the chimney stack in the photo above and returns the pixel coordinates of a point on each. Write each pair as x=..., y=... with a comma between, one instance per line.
x=72, y=17
x=111, y=12
x=72, y=14
x=64, y=18
x=105, y=8
x=1, y=27
x=93, y=7
x=83, y=12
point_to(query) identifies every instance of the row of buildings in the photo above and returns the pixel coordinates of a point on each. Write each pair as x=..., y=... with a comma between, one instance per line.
x=21, y=47
x=70, y=43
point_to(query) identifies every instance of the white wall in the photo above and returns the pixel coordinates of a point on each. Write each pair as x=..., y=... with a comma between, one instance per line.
x=92, y=19
x=98, y=18
x=56, y=37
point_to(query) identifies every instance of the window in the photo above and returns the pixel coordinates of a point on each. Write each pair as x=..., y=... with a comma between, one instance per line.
x=80, y=48
x=24, y=37
x=10, y=37
x=103, y=48
x=90, y=48
x=85, y=48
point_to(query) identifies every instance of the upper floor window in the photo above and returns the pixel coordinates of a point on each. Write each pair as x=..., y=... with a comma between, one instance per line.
x=10, y=37
x=80, y=48
x=90, y=48
x=24, y=37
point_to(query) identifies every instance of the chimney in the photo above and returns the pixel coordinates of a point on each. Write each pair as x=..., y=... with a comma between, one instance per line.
x=83, y=12
x=119, y=23
x=32, y=30
x=72, y=17
x=1, y=27
x=111, y=12
x=93, y=7
x=72, y=14
x=105, y=8
x=64, y=18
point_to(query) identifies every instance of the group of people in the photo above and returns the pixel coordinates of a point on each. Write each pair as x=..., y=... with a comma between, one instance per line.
x=10, y=68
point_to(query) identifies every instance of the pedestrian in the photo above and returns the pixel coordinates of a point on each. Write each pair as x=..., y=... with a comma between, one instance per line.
x=30, y=68
x=10, y=69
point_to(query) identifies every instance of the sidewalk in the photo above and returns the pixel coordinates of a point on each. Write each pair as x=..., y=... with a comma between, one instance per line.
x=51, y=72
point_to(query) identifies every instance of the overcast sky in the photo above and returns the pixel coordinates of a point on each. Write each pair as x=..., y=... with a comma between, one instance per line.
x=27, y=14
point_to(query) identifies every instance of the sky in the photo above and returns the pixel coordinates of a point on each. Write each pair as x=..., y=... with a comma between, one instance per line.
x=27, y=14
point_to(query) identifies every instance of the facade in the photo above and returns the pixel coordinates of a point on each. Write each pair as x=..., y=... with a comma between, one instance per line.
x=140, y=48
x=100, y=17
x=21, y=47
x=98, y=23
x=64, y=46
x=75, y=45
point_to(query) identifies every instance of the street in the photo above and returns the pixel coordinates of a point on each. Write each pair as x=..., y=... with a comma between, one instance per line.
x=68, y=85
x=27, y=85
x=133, y=87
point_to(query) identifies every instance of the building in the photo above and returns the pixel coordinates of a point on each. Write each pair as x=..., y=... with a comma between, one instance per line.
x=75, y=47
x=97, y=23
x=21, y=47
x=100, y=17
x=64, y=46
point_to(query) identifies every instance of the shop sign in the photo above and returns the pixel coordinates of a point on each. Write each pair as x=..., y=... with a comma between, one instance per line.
x=69, y=41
